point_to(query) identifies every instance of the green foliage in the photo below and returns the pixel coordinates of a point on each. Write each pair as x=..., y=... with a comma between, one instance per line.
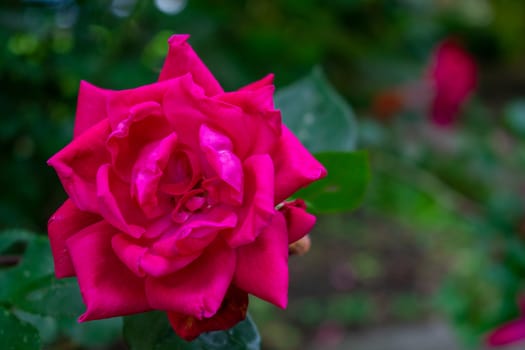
x=344, y=187
x=16, y=334
x=42, y=306
x=325, y=124
x=152, y=331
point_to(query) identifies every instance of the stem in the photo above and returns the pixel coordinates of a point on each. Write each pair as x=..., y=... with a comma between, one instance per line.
x=9, y=260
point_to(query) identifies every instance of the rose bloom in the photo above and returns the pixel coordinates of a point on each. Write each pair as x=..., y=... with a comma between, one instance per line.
x=453, y=74
x=177, y=198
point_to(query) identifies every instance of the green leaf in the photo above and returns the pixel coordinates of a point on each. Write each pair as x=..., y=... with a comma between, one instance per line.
x=15, y=334
x=244, y=336
x=10, y=237
x=36, y=264
x=97, y=333
x=344, y=187
x=52, y=297
x=144, y=331
x=515, y=117
x=152, y=331
x=317, y=115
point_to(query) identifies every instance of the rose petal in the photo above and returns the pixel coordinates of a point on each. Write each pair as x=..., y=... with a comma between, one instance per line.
x=298, y=221
x=198, y=290
x=187, y=108
x=64, y=223
x=259, y=84
x=258, y=206
x=141, y=261
x=262, y=267
x=91, y=107
x=196, y=233
x=256, y=98
x=147, y=173
x=77, y=165
x=181, y=173
x=158, y=266
x=108, y=288
x=122, y=104
x=218, y=151
x=295, y=167
x=182, y=59
x=232, y=311
x=509, y=333
x=116, y=205
x=145, y=124
x=258, y=129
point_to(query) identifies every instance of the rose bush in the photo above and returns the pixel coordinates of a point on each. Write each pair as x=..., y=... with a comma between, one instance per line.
x=177, y=198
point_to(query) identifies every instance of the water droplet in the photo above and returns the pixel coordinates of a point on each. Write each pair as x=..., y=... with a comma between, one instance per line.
x=309, y=119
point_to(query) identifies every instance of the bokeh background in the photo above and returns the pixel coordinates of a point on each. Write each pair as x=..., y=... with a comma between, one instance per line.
x=436, y=252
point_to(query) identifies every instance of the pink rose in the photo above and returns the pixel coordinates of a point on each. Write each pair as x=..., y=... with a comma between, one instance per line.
x=177, y=194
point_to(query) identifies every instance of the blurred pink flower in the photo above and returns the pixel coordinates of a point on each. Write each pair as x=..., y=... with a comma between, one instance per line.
x=450, y=78
x=453, y=75
x=510, y=332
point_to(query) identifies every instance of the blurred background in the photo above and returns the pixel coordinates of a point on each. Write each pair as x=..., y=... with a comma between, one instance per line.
x=435, y=256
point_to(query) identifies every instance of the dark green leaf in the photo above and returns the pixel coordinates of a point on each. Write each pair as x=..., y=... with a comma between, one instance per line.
x=344, y=187
x=317, y=115
x=144, y=331
x=15, y=334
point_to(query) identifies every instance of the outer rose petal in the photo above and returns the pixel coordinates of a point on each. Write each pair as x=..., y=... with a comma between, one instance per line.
x=77, y=165
x=266, y=81
x=64, y=223
x=295, y=167
x=258, y=207
x=509, y=333
x=259, y=130
x=198, y=289
x=262, y=267
x=232, y=311
x=122, y=103
x=108, y=288
x=182, y=59
x=91, y=107
x=298, y=221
